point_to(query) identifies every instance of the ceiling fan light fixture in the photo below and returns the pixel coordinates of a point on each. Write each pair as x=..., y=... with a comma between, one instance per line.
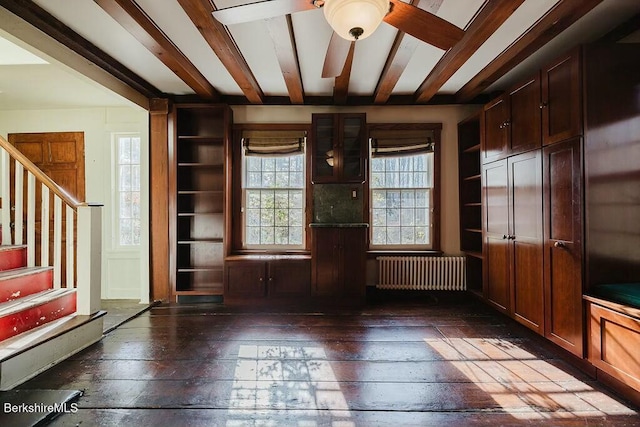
x=355, y=19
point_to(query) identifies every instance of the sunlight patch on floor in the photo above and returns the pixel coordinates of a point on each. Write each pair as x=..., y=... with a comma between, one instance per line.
x=522, y=384
x=296, y=378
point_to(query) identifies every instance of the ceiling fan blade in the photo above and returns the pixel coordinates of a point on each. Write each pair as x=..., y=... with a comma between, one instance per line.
x=423, y=25
x=337, y=53
x=260, y=10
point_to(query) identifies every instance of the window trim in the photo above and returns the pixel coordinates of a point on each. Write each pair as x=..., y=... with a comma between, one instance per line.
x=436, y=194
x=237, y=171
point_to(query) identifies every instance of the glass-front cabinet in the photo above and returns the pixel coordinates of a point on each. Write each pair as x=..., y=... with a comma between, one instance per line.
x=339, y=148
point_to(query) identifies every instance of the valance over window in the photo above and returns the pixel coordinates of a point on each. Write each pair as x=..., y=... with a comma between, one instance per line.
x=273, y=142
x=398, y=142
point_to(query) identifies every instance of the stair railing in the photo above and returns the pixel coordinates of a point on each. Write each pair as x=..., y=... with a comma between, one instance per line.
x=81, y=242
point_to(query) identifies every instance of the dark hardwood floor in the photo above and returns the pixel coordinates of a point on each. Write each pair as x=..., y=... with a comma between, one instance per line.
x=418, y=362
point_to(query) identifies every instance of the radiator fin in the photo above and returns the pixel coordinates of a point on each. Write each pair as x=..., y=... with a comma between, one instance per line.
x=422, y=273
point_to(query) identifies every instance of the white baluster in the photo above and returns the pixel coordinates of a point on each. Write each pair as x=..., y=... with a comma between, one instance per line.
x=6, y=192
x=44, y=226
x=70, y=247
x=19, y=207
x=31, y=220
x=57, y=242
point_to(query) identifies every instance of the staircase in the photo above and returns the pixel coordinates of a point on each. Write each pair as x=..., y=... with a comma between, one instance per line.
x=45, y=315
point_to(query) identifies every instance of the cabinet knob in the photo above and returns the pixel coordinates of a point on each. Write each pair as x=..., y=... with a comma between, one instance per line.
x=261, y=280
x=559, y=244
x=270, y=279
x=511, y=237
x=504, y=236
x=507, y=123
x=543, y=105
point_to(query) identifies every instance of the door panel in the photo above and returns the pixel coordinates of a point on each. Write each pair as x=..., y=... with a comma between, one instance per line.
x=496, y=230
x=494, y=135
x=525, y=178
x=562, y=172
x=524, y=125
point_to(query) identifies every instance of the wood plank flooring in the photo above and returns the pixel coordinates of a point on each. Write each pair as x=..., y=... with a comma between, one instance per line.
x=422, y=362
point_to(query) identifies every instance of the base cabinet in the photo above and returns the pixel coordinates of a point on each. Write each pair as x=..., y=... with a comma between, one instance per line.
x=339, y=263
x=251, y=280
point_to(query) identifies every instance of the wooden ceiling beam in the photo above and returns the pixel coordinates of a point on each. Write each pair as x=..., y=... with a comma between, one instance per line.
x=492, y=15
x=556, y=20
x=281, y=32
x=341, y=85
x=399, y=56
x=216, y=34
x=48, y=24
x=133, y=19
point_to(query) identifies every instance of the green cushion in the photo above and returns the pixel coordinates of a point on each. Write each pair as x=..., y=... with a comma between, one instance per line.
x=622, y=293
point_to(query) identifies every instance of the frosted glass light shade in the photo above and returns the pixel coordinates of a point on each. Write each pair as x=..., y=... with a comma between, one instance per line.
x=346, y=15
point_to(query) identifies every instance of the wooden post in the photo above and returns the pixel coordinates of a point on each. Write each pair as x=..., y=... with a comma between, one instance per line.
x=89, y=258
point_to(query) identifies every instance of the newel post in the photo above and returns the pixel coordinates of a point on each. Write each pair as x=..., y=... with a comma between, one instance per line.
x=89, y=285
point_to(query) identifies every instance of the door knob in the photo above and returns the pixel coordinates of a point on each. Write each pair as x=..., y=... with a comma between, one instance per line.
x=559, y=244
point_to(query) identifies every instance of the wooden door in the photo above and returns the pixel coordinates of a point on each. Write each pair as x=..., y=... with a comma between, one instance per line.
x=493, y=130
x=562, y=99
x=496, y=231
x=326, y=260
x=60, y=155
x=353, y=258
x=525, y=183
x=562, y=176
x=524, y=123
x=245, y=279
x=289, y=278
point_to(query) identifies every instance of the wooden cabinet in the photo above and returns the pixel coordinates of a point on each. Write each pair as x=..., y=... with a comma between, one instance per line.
x=251, y=280
x=513, y=237
x=562, y=98
x=197, y=177
x=511, y=123
x=339, y=148
x=562, y=178
x=339, y=263
x=469, y=180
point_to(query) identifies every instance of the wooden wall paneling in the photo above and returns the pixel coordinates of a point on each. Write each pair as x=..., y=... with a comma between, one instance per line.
x=612, y=163
x=159, y=200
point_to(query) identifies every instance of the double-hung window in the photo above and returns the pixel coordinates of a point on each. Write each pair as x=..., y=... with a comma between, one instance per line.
x=273, y=189
x=402, y=181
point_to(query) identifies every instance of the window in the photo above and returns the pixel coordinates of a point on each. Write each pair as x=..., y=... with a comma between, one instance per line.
x=273, y=202
x=402, y=190
x=127, y=196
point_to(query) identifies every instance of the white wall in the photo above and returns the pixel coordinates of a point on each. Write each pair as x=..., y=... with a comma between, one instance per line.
x=448, y=115
x=125, y=273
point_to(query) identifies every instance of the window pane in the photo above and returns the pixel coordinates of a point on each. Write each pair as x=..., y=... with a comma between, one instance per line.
x=274, y=217
x=128, y=200
x=400, y=200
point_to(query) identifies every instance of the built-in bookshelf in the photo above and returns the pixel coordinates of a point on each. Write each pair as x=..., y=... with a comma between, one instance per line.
x=198, y=209
x=470, y=191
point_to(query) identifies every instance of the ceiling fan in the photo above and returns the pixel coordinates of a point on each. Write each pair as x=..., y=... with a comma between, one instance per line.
x=351, y=20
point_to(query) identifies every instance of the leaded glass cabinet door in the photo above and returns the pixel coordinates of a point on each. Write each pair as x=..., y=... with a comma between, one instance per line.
x=352, y=129
x=325, y=150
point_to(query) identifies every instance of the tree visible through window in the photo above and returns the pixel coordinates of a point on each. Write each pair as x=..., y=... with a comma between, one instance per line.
x=274, y=200
x=128, y=185
x=401, y=200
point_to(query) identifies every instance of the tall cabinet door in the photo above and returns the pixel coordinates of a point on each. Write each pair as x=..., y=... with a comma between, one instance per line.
x=525, y=182
x=496, y=231
x=563, y=244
